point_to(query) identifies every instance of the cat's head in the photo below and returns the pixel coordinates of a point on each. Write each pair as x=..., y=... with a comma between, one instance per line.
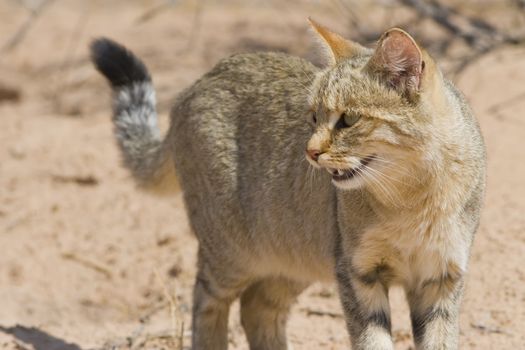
x=371, y=109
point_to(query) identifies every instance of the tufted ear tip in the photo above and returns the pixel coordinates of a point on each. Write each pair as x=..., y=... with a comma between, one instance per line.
x=338, y=47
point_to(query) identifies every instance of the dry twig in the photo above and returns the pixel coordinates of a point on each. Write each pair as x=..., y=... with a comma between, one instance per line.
x=154, y=11
x=177, y=323
x=89, y=264
x=82, y=180
x=481, y=36
x=487, y=329
x=497, y=107
x=62, y=79
x=22, y=31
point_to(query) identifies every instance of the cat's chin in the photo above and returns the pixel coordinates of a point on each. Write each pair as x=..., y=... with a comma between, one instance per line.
x=349, y=184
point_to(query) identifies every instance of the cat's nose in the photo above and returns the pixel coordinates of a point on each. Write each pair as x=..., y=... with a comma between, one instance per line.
x=313, y=154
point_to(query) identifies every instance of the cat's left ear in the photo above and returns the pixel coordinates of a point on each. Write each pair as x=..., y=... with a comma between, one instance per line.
x=338, y=48
x=399, y=62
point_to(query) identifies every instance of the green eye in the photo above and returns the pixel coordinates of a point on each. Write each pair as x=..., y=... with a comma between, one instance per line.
x=347, y=120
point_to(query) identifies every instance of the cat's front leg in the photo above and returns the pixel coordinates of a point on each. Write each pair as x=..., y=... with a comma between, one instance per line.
x=364, y=299
x=434, y=311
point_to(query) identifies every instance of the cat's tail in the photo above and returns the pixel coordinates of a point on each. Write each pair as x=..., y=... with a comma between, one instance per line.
x=144, y=152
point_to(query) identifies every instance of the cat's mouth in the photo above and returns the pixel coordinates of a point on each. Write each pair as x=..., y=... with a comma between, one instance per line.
x=347, y=174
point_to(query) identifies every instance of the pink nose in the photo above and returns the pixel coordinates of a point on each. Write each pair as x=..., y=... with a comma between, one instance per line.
x=313, y=154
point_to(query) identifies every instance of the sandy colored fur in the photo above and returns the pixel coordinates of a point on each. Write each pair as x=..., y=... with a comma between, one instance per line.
x=266, y=230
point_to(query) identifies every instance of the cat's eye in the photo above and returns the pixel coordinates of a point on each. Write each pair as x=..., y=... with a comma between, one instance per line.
x=347, y=120
x=314, y=118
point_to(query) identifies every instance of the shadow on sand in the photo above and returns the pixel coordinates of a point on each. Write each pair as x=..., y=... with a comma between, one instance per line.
x=38, y=339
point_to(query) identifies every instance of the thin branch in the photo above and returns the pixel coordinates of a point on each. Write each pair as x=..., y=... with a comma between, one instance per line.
x=441, y=16
x=497, y=107
x=481, y=36
x=475, y=22
x=196, y=25
x=154, y=11
x=88, y=263
x=177, y=323
x=63, y=71
x=22, y=31
x=465, y=62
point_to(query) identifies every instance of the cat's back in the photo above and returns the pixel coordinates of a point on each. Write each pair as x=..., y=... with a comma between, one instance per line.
x=243, y=98
x=239, y=118
x=244, y=81
x=259, y=67
x=239, y=136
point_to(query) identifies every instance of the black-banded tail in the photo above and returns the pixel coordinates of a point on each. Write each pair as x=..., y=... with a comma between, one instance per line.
x=134, y=116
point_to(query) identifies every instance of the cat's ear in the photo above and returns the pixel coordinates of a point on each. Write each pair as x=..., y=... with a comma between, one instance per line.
x=398, y=61
x=337, y=47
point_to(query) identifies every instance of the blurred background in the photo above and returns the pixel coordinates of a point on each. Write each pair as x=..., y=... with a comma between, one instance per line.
x=88, y=262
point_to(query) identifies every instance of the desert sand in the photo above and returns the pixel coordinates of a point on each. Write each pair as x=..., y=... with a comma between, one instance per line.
x=89, y=262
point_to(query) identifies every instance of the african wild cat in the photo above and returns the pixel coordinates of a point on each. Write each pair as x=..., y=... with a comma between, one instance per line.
x=396, y=199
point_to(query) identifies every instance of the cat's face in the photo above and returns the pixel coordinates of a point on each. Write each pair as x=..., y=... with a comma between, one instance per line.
x=367, y=129
x=360, y=127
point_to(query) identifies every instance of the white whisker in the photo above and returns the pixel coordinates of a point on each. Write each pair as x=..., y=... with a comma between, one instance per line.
x=386, y=190
x=394, y=167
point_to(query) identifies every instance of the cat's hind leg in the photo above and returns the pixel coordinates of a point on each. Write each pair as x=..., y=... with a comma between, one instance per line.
x=265, y=306
x=214, y=291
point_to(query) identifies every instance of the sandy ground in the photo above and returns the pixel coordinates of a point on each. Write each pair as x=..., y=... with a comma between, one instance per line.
x=88, y=262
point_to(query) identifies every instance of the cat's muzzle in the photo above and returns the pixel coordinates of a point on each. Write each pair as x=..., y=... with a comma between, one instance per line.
x=347, y=174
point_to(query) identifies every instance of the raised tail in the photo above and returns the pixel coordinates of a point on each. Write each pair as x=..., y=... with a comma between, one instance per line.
x=144, y=153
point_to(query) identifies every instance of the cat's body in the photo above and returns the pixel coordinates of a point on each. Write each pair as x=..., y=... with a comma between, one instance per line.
x=268, y=225
x=259, y=198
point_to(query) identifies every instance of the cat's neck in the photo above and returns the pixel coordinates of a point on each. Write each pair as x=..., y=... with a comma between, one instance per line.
x=436, y=183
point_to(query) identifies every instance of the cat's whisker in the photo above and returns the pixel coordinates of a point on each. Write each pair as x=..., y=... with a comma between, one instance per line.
x=340, y=165
x=403, y=173
x=393, y=189
x=371, y=181
x=390, y=178
x=311, y=175
x=308, y=174
x=386, y=193
x=387, y=178
x=395, y=167
x=394, y=164
x=307, y=88
x=308, y=78
x=384, y=187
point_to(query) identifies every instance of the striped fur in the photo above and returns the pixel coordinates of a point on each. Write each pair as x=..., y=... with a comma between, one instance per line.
x=393, y=198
